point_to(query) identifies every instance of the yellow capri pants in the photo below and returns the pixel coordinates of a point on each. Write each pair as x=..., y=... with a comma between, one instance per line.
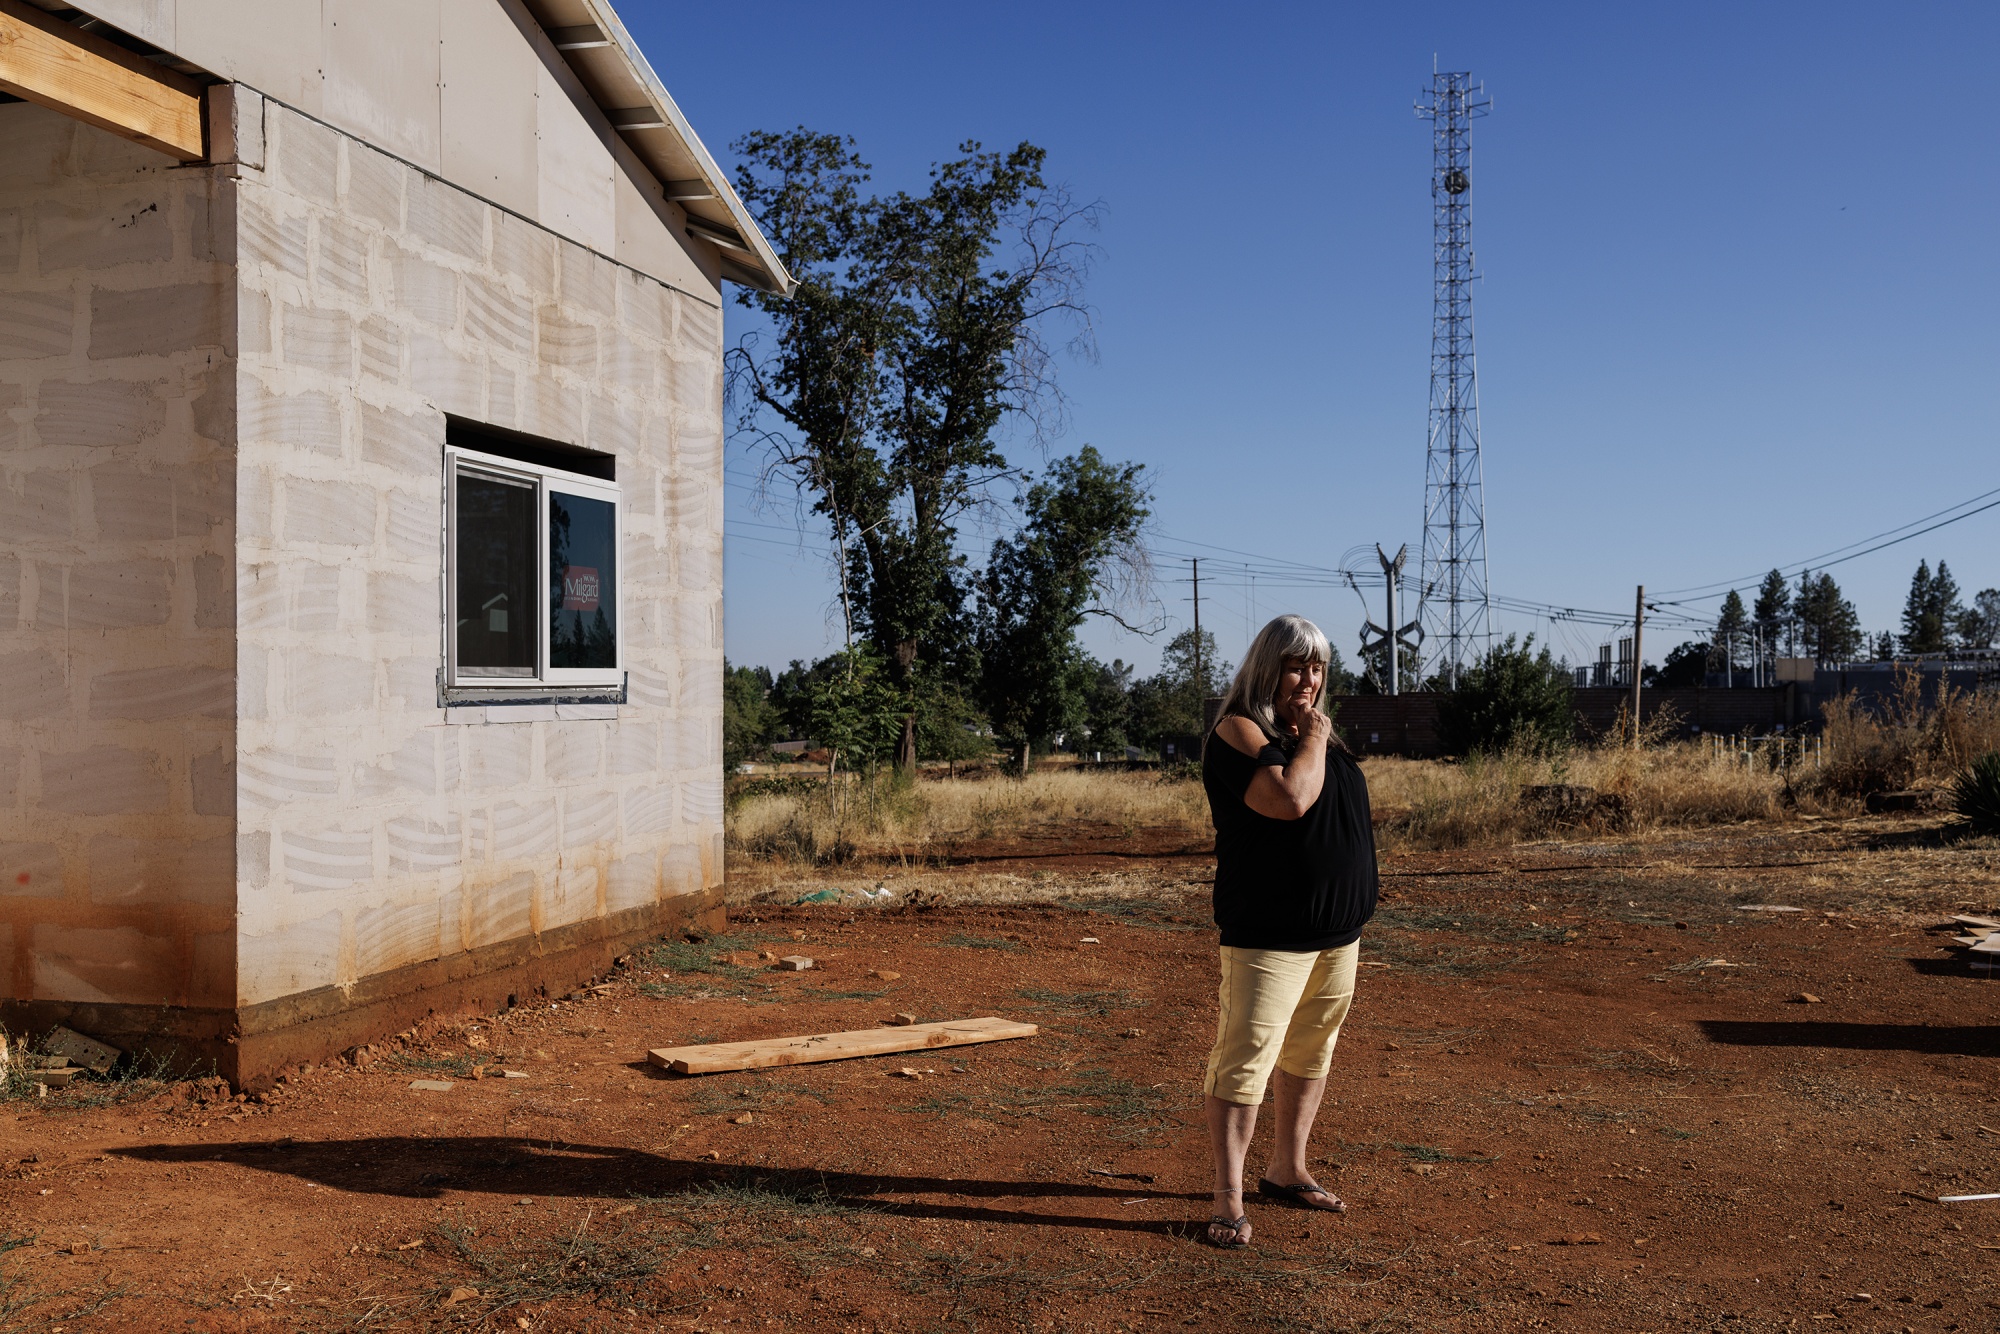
x=1278, y=1007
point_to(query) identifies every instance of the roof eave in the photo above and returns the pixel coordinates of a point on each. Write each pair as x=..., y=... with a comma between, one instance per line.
x=756, y=256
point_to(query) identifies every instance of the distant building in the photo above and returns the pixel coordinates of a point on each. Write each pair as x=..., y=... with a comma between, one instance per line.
x=360, y=514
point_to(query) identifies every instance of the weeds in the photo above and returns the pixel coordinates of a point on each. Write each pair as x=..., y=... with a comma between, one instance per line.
x=964, y=942
x=1140, y=912
x=789, y=1212
x=1918, y=735
x=1430, y=1153
x=579, y=1266
x=1397, y=934
x=19, y=1298
x=134, y=1077
x=822, y=994
x=1079, y=1002
x=451, y=1065
x=704, y=968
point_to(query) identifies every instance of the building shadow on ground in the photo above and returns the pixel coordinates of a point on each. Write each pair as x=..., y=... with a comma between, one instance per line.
x=1935, y=1039
x=512, y=1165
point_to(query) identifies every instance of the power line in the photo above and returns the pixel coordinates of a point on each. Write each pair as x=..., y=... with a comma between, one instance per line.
x=1701, y=592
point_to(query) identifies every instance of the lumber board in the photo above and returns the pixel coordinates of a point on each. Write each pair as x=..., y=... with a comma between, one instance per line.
x=715, y=1057
x=49, y=62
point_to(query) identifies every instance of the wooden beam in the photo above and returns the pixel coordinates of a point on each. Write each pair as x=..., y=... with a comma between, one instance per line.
x=49, y=62
x=715, y=1057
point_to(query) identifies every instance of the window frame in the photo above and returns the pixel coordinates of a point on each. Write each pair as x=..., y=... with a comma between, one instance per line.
x=545, y=680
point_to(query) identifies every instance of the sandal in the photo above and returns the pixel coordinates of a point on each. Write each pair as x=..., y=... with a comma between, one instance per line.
x=1235, y=1229
x=1296, y=1196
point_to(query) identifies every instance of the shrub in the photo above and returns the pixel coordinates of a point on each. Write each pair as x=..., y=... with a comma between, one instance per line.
x=1510, y=698
x=1976, y=794
x=1916, y=735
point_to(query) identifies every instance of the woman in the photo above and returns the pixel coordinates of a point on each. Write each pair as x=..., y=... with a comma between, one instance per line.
x=1294, y=885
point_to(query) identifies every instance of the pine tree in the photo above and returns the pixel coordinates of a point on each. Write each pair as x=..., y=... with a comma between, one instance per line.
x=1885, y=647
x=1945, y=606
x=1732, y=624
x=1924, y=629
x=1773, y=613
x=1829, y=628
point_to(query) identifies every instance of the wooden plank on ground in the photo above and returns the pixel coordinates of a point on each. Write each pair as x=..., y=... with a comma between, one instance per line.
x=62, y=67
x=714, y=1057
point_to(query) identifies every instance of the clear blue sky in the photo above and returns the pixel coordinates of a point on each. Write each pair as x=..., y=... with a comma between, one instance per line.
x=1738, y=303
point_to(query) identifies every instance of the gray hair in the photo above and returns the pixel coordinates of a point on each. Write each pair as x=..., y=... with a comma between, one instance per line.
x=1256, y=684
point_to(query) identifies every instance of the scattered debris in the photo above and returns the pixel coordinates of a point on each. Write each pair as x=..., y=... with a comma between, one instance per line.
x=1806, y=998
x=1579, y=1239
x=411, y=1245
x=907, y=1073
x=743, y=1120
x=462, y=1295
x=92, y=1055
x=1131, y=1032
x=758, y=1054
x=1980, y=942
x=1143, y=1178
x=794, y=963
x=901, y=1018
x=431, y=1085
x=513, y=1074
x=1766, y=907
x=885, y=975
x=1090, y=940
x=1422, y=1169
x=78, y=1248
x=1961, y=1199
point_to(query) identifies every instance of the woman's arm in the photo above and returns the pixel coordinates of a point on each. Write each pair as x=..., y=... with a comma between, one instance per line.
x=1283, y=793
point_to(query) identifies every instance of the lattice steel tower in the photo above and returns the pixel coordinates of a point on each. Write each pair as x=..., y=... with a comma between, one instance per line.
x=1452, y=599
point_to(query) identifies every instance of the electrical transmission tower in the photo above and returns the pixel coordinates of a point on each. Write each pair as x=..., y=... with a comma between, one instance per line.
x=1452, y=599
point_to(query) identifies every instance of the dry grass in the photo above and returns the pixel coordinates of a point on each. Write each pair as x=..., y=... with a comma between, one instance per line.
x=815, y=824
x=1420, y=803
x=1908, y=741
x=1427, y=804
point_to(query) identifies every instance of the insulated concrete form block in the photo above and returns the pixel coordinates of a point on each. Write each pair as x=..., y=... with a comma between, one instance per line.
x=221, y=575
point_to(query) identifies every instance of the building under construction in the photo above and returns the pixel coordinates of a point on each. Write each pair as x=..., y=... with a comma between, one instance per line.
x=360, y=513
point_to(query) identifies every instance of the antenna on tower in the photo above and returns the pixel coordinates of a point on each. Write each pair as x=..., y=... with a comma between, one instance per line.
x=1451, y=591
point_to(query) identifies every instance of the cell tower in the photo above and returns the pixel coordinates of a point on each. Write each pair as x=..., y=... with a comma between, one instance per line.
x=1452, y=600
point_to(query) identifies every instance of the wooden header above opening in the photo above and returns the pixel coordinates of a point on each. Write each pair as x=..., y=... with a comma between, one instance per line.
x=49, y=62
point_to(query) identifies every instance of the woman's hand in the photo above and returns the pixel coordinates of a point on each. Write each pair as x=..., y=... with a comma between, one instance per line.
x=1314, y=728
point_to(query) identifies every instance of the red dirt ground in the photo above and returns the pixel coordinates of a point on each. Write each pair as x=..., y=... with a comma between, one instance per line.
x=1554, y=1107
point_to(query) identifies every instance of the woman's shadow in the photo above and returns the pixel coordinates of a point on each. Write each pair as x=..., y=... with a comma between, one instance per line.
x=413, y=1168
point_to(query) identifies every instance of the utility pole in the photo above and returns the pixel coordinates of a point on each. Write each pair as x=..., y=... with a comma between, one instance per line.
x=1638, y=657
x=1394, y=638
x=1200, y=679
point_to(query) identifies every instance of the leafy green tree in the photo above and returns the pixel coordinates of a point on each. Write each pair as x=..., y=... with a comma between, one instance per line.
x=1339, y=681
x=1829, y=629
x=1979, y=627
x=1772, y=616
x=1041, y=584
x=1173, y=702
x=1509, y=696
x=1107, y=704
x=1686, y=665
x=1732, y=626
x=854, y=710
x=921, y=324
x=1932, y=612
x=749, y=720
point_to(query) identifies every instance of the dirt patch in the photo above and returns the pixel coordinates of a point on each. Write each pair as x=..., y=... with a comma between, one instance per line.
x=1581, y=1095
